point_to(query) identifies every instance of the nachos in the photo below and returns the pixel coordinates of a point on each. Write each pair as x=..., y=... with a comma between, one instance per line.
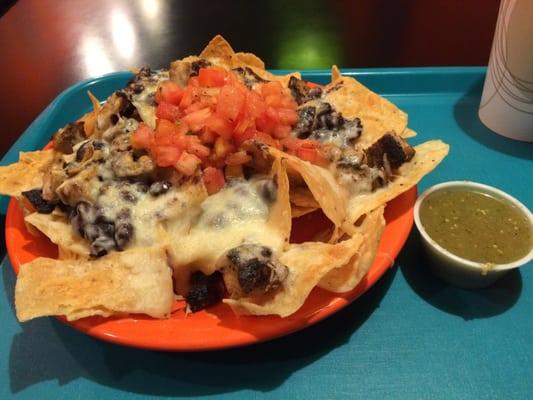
x=185, y=182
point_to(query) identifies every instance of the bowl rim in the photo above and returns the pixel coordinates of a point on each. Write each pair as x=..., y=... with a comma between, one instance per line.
x=482, y=188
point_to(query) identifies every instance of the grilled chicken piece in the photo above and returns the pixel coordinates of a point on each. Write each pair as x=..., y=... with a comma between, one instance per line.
x=396, y=150
x=252, y=270
x=248, y=76
x=204, y=291
x=181, y=70
x=66, y=138
x=301, y=92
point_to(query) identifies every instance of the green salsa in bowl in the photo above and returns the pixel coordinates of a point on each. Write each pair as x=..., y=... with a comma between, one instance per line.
x=473, y=233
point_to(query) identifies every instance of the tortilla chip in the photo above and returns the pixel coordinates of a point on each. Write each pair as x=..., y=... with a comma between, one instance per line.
x=297, y=211
x=218, y=47
x=408, y=133
x=191, y=252
x=377, y=114
x=250, y=59
x=26, y=174
x=135, y=281
x=302, y=197
x=58, y=229
x=335, y=73
x=89, y=119
x=346, y=278
x=428, y=155
x=280, y=213
x=331, y=197
x=307, y=263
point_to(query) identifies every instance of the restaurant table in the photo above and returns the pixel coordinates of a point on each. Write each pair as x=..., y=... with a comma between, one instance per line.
x=411, y=336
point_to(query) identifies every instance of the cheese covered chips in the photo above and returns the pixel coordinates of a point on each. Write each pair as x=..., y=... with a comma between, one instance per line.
x=185, y=182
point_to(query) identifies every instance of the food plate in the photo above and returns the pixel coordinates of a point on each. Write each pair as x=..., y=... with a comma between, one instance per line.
x=217, y=327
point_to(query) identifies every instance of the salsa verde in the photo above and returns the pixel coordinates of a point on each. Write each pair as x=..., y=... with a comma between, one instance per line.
x=477, y=226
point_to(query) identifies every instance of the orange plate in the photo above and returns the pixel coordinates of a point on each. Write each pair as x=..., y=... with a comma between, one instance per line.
x=218, y=327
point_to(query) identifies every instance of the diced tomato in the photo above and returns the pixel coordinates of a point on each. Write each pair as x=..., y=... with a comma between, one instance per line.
x=197, y=119
x=206, y=122
x=230, y=102
x=223, y=147
x=238, y=158
x=182, y=128
x=244, y=122
x=254, y=106
x=188, y=96
x=292, y=144
x=310, y=151
x=274, y=100
x=165, y=133
x=166, y=156
x=187, y=163
x=213, y=179
x=167, y=111
x=211, y=77
x=287, y=116
x=193, y=82
x=233, y=171
x=169, y=92
x=219, y=125
x=207, y=136
x=143, y=137
x=271, y=88
x=265, y=138
x=307, y=154
x=240, y=138
x=196, y=148
x=288, y=102
x=281, y=131
x=268, y=121
x=194, y=107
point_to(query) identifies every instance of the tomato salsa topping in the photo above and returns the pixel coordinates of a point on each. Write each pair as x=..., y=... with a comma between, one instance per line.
x=204, y=125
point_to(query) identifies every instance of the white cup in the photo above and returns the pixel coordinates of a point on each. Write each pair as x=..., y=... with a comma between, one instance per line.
x=507, y=101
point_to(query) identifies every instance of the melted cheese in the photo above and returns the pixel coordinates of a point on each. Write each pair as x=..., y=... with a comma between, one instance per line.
x=235, y=215
x=147, y=211
x=144, y=101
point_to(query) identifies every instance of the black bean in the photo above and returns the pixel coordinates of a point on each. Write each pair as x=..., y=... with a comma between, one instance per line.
x=301, y=92
x=254, y=274
x=101, y=246
x=66, y=138
x=197, y=65
x=269, y=191
x=142, y=186
x=128, y=196
x=150, y=99
x=304, y=126
x=126, y=108
x=35, y=197
x=97, y=250
x=266, y=252
x=106, y=229
x=123, y=234
x=137, y=88
x=204, y=290
x=114, y=119
x=65, y=208
x=124, y=213
x=159, y=188
x=98, y=145
x=249, y=77
x=234, y=255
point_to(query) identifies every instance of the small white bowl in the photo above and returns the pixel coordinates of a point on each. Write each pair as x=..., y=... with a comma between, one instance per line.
x=457, y=270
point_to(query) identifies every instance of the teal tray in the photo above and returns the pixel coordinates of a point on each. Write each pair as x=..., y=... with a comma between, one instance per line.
x=410, y=337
